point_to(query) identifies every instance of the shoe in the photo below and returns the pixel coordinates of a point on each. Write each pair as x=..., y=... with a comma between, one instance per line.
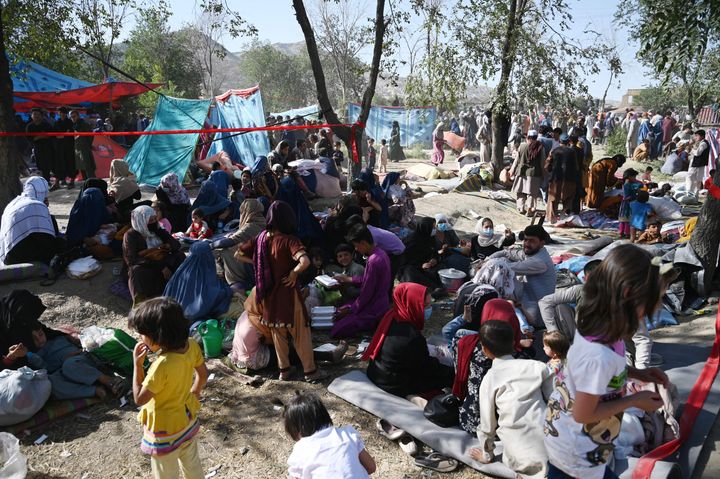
x=388, y=430
x=339, y=352
x=408, y=445
x=436, y=462
x=288, y=374
x=316, y=377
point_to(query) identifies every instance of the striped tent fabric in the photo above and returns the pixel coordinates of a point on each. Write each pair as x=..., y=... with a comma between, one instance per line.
x=709, y=115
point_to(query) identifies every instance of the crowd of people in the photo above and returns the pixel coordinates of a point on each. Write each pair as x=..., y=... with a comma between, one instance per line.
x=255, y=239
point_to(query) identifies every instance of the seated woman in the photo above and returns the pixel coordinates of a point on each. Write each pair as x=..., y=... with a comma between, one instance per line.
x=123, y=188
x=471, y=364
x=378, y=196
x=264, y=182
x=72, y=373
x=237, y=266
x=469, y=304
x=28, y=232
x=399, y=360
x=452, y=254
x=487, y=241
x=150, y=255
x=87, y=217
x=308, y=228
x=216, y=208
x=420, y=259
x=177, y=200
x=401, y=209
x=335, y=226
x=364, y=313
x=196, y=286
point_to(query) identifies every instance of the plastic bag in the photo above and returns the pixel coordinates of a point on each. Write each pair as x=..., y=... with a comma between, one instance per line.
x=631, y=434
x=84, y=268
x=94, y=336
x=22, y=393
x=13, y=464
x=665, y=208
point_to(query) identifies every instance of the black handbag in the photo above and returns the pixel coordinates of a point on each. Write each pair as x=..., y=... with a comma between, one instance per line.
x=443, y=410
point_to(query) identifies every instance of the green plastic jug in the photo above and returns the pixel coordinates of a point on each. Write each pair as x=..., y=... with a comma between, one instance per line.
x=212, y=338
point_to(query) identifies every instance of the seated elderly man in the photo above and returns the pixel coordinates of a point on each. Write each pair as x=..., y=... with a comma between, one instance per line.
x=534, y=270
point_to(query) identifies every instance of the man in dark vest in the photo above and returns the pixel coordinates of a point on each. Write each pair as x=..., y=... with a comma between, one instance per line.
x=698, y=161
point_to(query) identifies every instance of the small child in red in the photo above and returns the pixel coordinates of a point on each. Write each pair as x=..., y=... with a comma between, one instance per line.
x=198, y=229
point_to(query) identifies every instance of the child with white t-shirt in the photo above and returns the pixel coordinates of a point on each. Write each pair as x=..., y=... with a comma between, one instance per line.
x=584, y=413
x=323, y=451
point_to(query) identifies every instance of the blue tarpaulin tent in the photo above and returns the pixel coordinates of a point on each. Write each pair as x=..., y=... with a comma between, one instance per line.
x=153, y=156
x=29, y=76
x=309, y=112
x=240, y=109
x=416, y=124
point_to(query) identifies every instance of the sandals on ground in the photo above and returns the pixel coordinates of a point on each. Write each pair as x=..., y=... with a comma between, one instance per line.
x=436, y=462
x=388, y=430
x=316, y=376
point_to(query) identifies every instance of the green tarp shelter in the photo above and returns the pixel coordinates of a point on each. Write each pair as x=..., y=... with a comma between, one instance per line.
x=153, y=156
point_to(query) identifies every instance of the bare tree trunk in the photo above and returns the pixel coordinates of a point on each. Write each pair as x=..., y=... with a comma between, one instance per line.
x=705, y=239
x=500, y=127
x=9, y=179
x=602, y=103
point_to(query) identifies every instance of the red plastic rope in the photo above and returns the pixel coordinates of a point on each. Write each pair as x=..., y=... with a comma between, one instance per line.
x=694, y=405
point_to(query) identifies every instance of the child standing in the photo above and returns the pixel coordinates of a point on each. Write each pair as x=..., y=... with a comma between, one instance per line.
x=322, y=450
x=512, y=401
x=383, y=155
x=585, y=411
x=630, y=188
x=199, y=228
x=556, y=345
x=372, y=153
x=168, y=395
x=639, y=211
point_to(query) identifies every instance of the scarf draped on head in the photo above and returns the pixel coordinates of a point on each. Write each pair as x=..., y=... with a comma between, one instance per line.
x=502, y=310
x=534, y=149
x=20, y=313
x=139, y=221
x=409, y=307
x=177, y=194
x=25, y=215
x=221, y=180
x=389, y=180
x=497, y=273
x=252, y=221
x=88, y=214
x=487, y=240
x=210, y=200
x=280, y=218
x=122, y=182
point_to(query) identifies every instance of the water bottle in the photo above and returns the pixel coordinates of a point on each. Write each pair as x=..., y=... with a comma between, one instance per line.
x=212, y=338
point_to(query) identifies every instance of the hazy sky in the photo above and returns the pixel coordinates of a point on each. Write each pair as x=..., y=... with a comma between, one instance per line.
x=276, y=22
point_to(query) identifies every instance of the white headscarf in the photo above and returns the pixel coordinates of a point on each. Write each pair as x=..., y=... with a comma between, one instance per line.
x=139, y=220
x=487, y=240
x=24, y=215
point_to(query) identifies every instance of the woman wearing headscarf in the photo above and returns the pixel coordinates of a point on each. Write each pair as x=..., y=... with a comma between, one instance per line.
x=20, y=312
x=468, y=307
x=487, y=241
x=150, y=255
x=335, y=227
x=87, y=216
x=177, y=200
x=401, y=209
x=28, y=232
x=438, y=155
x=602, y=176
x=399, y=360
x=279, y=258
x=215, y=207
x=237, y=263
x=123, y=187
x=196, y=286
x=448, y=246
x=264, y=182
x=221, y=180
x=396, y=151
x=308, y=228
x=420, y=259
x=379, y=218
x=472, y=365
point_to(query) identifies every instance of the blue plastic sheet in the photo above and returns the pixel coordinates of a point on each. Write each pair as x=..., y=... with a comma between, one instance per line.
x=153, y=156
x=239, y=111
x=308, y=112
x=416, y=124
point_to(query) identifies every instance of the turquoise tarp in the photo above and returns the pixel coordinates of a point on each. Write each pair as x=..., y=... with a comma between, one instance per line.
x=308, y=112
x=240, y=109
x=416, y=124
x=153, y=156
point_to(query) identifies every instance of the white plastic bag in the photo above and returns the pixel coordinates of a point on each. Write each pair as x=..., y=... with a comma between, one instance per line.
x=631, y=434
x=94, y=336
x=22, y=393
x=84, y=268
x=665, y=208
x=13, y=465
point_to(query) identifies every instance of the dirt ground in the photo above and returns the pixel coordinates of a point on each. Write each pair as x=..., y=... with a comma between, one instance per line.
x=241, y=431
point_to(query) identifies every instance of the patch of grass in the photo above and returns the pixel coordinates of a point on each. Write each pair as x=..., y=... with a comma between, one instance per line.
x=417, y=152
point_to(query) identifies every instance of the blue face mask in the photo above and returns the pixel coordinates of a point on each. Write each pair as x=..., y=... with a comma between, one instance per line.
x=444, y=227
x=488, y=232
x=428, y=312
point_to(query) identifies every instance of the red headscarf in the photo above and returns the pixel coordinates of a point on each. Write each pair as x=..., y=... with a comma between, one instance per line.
x=409, y=299
x=496, y=308
x=502, y=310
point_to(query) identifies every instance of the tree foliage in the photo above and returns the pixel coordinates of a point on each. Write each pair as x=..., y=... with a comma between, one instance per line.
x=661, y=98
x=678, y=42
